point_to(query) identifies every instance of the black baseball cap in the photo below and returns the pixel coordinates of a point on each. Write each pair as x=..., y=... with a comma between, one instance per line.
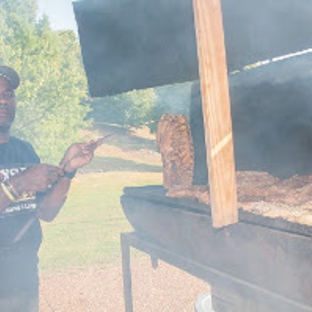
x=11, y=75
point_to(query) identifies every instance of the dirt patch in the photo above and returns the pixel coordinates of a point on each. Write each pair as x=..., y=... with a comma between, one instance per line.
x=138, y=145
x=166, y=289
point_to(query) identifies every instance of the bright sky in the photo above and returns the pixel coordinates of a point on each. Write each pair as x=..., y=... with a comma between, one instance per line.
x=60, y=13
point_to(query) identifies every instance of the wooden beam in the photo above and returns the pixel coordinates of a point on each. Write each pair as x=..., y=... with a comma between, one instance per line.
x=216, y=111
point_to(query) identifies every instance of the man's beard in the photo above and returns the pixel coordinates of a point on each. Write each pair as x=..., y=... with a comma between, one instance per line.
x=5, y=128
x=5, y=125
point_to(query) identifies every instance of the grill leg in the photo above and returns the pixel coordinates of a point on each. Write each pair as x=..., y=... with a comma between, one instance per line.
x=126, y=273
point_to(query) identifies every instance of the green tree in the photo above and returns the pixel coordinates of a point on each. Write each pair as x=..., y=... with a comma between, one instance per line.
x=130, y=109
x=143, y=107
x=53, y=84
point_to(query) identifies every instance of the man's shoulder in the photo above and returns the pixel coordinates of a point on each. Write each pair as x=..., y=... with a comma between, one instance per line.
x=20, y=142
x=25, y=148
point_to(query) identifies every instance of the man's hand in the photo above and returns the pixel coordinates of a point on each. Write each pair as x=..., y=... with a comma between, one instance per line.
x=78, y=155
x=37, y=178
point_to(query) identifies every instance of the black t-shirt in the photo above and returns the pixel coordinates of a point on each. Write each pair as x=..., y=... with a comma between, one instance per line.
x=20, y=230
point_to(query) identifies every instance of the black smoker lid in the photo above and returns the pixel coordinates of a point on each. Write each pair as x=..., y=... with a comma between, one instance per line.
x=139, y=44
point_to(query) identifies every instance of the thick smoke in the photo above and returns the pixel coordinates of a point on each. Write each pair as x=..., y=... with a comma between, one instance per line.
x=272, y=119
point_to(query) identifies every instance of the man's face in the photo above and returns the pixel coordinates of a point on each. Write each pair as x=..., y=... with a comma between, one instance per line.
x=7, y=104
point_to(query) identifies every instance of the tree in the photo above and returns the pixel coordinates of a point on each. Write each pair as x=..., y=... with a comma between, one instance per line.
x=53, y=84
x=142, y=107
x=130, y=109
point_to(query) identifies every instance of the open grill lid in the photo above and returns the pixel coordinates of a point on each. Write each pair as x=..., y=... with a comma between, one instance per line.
x=139, y=44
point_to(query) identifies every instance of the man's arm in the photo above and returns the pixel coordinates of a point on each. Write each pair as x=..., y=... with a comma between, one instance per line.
x=76, y=156
x=52, y=202
x=36, y=178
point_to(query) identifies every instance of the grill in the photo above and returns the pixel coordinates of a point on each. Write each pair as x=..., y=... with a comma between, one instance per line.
x=257, y=264
x=260, y=263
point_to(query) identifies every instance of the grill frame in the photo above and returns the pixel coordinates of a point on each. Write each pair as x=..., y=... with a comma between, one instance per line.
x=253, y=260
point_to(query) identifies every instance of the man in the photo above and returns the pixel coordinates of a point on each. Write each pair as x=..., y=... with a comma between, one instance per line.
x=29, y=191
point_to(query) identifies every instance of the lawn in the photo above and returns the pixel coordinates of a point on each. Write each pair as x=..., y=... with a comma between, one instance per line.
x=87, y=230
x=80, y=258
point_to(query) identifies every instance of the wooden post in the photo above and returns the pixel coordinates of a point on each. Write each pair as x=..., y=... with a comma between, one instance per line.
x=216, y=111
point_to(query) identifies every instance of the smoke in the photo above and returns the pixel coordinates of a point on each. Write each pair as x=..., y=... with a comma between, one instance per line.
x=272, y=119
x=257, y=30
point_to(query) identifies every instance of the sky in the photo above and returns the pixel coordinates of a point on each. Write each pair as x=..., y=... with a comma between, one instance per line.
x=60, y=13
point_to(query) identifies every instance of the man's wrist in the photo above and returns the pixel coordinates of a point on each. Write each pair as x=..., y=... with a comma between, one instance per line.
x=19, y=183
x=69, y=175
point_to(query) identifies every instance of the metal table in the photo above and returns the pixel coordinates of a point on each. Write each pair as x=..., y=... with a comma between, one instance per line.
x=214, y=277
x=156, y=252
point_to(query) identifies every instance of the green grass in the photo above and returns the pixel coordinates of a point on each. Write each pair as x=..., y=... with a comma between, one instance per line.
x=118, y=164
x=87, y=230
